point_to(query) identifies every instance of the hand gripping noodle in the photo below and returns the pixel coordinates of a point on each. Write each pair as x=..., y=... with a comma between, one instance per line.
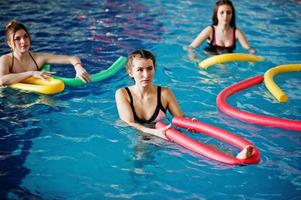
x=251, y=117
x=112, y=70
x=203, y=149
x=229, y=57
x=272, y=86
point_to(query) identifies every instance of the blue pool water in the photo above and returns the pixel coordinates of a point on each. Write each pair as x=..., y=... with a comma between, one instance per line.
x=72, y=145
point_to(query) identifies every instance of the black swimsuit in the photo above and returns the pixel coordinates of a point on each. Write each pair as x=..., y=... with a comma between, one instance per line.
x=157, y=114
x=216, y=49
x=13, y=60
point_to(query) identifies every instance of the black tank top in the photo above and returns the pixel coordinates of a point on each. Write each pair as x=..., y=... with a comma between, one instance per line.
x=13, y=60
x=157, y=110
x=214, y=48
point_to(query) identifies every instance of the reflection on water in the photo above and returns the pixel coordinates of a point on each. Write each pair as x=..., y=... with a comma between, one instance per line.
x=18, y=128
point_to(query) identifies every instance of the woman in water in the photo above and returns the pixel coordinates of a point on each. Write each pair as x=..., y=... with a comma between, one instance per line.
x=21, y=63
x=222, y=34
x=143, y=104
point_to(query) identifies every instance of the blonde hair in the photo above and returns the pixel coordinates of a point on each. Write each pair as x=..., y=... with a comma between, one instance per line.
x=139, y=53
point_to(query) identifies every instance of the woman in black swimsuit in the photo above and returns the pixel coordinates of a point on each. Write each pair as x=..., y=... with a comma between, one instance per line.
x=222, y=34
x=143, y=104
x=21, y=63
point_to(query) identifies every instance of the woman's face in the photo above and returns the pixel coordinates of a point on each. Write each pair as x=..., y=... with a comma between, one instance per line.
x=20, y=41
x=142, y=71
x=224, y=14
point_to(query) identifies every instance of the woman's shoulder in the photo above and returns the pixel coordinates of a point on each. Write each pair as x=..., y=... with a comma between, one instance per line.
x=237, y=30
x=37, y=55
x=208, y=29
x=6, y=58
x=165, y=91
x=163, y=88
x=206, y=32
x=121, y=92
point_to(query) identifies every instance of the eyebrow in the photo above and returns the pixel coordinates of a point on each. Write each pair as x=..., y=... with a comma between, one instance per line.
x=145, y=67
x=21, y=35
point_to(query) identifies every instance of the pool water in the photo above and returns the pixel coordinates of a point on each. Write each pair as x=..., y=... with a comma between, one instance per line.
x=73, y=146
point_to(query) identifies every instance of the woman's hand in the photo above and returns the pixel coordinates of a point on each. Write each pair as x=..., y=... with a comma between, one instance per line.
x=251, y=51
x=161, y=132
x=192, y=55
x=42, y=75
x=81, y=73
x=191, y=52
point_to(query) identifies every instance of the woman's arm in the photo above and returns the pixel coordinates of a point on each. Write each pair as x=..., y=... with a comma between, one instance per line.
x=244, y=42
x=18, y=77
x=7, y=78
x=172, y=104
x=204, y=35
x=126, y=114
x=63, y=59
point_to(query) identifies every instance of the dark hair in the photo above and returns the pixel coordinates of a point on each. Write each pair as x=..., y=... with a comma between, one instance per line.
x=140, y=53
x=12, y=27
x=216, y=6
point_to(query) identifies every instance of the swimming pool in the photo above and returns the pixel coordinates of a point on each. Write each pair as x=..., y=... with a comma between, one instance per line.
x=72, y=145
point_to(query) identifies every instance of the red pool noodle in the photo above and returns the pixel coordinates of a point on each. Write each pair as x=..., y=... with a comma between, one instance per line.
x=205, y=150
x=251, y=117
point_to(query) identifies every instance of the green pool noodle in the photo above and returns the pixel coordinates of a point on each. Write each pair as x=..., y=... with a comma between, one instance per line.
x=112, y=70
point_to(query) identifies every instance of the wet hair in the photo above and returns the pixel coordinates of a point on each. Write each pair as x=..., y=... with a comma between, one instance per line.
x=217, y=5
x=139, y=53
x=12, y=27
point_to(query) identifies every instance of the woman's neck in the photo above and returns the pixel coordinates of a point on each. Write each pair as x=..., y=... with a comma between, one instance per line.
x=22, y=56
x=223, y=27
x=142, y=92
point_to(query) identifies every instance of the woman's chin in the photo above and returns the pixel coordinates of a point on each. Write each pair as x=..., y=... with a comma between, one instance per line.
x=146, y=83
x=23, y=50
